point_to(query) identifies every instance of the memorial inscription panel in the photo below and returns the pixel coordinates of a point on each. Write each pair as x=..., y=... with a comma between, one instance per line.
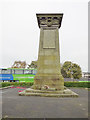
x=49, y=39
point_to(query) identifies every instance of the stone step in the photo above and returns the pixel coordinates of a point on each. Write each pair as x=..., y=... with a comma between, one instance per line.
x=48, y=95
x=42, y=91
x=32, y=92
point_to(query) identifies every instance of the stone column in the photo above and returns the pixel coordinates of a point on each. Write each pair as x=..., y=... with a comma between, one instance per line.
x=49, y=70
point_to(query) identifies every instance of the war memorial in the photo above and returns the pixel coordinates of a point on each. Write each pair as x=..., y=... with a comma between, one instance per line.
x=48, y=81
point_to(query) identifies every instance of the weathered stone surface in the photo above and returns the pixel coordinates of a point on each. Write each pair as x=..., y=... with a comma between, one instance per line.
x=48, y=72
x=49, y=39
x=48, y=82
x=47, y=93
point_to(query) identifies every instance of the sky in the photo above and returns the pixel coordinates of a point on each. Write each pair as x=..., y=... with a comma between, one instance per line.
x=19, y=31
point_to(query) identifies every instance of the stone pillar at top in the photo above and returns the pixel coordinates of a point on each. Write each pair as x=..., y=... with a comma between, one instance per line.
x=49, y=70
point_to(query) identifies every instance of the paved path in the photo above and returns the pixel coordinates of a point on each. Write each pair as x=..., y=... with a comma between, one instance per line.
x=14, y=106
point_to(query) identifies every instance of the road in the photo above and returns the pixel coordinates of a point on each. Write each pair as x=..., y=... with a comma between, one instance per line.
x=14, y=106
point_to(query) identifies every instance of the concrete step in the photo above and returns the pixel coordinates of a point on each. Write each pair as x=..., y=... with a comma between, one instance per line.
x=32, y=92
x=42, y=91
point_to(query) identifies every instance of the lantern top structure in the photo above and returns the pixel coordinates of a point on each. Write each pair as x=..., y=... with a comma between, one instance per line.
x=49, y=20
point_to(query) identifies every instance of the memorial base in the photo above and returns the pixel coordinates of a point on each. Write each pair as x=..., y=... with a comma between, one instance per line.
x=48, y=93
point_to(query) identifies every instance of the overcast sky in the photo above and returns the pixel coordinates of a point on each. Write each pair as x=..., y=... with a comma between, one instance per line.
x=20, y=33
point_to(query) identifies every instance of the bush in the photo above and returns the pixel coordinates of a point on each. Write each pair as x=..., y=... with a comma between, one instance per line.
x=5, y=84
x=26, y=84
x=71, y=70
x=77, y=84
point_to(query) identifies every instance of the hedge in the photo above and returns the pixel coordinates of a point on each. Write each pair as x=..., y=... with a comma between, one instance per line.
x=27, y=84
x=5, y=84
x=77, y=84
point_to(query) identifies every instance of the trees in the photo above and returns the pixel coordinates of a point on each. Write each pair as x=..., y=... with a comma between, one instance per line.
x=19, y=64
x=71, y=70
x=33, y=64
x=68, y=69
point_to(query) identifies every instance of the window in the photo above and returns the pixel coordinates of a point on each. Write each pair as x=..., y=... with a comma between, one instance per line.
x=31, y=71
x=26, y=71
x=18, y=71
x=6, y=71
x=0, y=72
x=34, y=71
x=13, y=71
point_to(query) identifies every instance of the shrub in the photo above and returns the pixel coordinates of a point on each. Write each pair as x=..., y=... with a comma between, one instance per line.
x=77, y=84
x=4, y=84
x=71, y=70
x=26, y=84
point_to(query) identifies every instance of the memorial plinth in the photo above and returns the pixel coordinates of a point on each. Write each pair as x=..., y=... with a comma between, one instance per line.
x=48, y=81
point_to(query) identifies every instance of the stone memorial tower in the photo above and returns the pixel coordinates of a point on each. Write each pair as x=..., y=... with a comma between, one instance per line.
x=49, y=70
x=48, y=81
